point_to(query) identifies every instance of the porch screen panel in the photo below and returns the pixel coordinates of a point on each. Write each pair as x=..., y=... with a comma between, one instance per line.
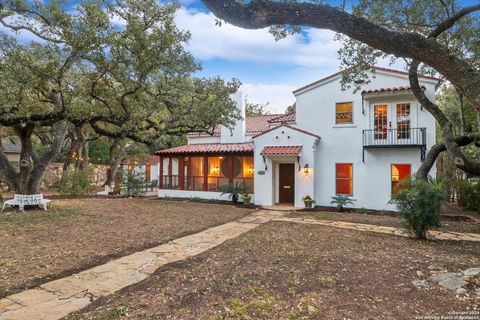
x=380, y=121
x=216, y=174
x=344, y=178
x=195, y=178
x=403, y=121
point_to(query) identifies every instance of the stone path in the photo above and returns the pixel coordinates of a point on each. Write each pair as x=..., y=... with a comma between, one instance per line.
x=439, y=235
x=55, y=299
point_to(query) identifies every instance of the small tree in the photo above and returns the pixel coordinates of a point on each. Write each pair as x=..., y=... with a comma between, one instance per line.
x=75, y=183
x=341, y=201
x=418, y=203
x=134, y=185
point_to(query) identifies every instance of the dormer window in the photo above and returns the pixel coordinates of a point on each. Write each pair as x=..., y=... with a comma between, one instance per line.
x=344, y=113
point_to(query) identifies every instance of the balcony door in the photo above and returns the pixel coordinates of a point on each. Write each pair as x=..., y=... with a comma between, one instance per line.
x=403, y=120
x=380, y=121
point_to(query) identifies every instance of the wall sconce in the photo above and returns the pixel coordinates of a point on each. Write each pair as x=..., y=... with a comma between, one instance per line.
x=250, y=169
x=306, y=169
x=215, y=169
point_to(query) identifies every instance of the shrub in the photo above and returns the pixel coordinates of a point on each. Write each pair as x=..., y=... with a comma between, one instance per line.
x=233, y=190
x=75, y=183
x=418, y=203
x=469, y=194
x=133, y=185
x=341, y=201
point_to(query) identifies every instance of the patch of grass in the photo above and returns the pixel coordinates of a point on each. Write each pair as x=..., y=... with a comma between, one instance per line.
x=4, y=292
x=322, y=216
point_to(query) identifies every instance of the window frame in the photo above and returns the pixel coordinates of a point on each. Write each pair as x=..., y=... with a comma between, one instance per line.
x=336, y=179
x=343, y=123
x=391, y=174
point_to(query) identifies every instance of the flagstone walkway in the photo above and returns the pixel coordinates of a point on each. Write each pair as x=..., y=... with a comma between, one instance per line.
x=438, y=235
x=56, y=299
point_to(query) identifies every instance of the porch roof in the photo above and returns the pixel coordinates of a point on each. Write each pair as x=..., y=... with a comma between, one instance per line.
x=209, y=148
x=281, y=150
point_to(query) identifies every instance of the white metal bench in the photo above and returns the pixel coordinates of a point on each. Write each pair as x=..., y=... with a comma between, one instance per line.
x=22, y=200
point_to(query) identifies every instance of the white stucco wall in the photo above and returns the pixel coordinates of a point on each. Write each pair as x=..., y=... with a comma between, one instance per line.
x=343, y=143
x=266, y=186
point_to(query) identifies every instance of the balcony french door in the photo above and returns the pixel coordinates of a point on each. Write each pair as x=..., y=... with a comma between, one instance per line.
x=403, y=120
x=380, y=121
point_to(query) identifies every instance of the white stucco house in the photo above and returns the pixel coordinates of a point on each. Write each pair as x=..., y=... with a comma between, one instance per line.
x=338, y=142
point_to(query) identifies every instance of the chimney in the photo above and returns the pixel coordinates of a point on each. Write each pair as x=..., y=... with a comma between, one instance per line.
x=237, y=133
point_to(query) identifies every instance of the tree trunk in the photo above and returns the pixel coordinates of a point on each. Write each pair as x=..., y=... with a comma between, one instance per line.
x=114, y=163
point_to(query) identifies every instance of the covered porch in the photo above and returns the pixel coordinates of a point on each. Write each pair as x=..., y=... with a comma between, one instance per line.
x=203, y=170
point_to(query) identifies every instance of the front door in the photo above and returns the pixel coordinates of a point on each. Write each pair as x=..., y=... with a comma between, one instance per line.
x=286, y=182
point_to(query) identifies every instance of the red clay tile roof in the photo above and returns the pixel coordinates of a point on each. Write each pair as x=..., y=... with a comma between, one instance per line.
x=313, y=84
x=256, y=124
x=394, y=89
x=288, y=117
x=253, y=124
x=203, y=148
x=286, y=125
x=281, y=150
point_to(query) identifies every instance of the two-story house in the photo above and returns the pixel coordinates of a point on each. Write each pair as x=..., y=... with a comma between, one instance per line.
x=338, y=142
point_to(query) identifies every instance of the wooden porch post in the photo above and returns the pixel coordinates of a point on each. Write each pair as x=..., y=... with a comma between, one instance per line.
x=181, y=173
x=170, y=172
x=230, y=174
x=205, y=173
x=160, y=176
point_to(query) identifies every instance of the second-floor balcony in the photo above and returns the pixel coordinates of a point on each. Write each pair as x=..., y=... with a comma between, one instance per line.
x=396, y=138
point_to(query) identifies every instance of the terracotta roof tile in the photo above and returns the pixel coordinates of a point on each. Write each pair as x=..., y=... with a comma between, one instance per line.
x=313, y=84
x=281, y=150
x=253, y=124
x=288, y=117
x=203, y=148
x=394, y=89
x=287, y=126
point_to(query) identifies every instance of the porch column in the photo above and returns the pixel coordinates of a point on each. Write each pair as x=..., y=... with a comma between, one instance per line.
x=205, y=173
x=181, y=173
x=160, y=175
x=170, y=184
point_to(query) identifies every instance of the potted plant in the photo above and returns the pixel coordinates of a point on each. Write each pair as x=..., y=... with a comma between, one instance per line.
x=233, y=190
x=341, y=201
x=247, y=197
x=308, y=201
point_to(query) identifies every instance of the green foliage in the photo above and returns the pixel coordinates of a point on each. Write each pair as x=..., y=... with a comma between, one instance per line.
x=469, y=194
x=256, y=109
x=341, y=201
x=418, y=203
x=75, y=183
x=134, y=185
x=420, y=16
x=233, y=190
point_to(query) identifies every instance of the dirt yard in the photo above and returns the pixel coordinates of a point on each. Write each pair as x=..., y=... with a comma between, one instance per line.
x=285, y=270
x=448, y=223
x=38, y=246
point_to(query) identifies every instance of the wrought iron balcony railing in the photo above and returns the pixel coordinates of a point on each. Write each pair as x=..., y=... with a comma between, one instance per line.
x=395, y=138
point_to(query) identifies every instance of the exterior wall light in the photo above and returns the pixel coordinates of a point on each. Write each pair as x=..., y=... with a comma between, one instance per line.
x=306, y=169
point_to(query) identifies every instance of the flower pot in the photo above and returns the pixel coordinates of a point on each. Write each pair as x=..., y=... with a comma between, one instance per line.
x=308, y=204
x=246, y=201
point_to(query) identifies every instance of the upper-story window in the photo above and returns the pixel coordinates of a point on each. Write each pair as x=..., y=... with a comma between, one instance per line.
x=344, y=113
